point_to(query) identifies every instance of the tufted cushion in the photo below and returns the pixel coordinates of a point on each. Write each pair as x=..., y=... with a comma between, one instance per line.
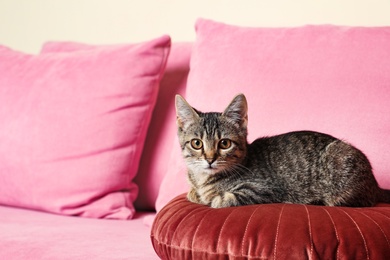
x=185, y=230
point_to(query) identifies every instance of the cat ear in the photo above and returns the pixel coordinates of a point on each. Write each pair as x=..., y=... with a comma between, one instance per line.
x=185, y=114
x=238, y=111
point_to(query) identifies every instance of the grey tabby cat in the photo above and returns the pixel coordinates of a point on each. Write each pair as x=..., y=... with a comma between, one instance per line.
x=297, y=167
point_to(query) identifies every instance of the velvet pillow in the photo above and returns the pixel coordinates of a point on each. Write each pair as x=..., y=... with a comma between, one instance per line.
x=331, y=79
x=73, y=125
x=185, y=230
x=162, y=130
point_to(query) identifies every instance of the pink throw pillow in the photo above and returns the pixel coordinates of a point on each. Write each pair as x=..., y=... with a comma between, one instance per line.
x=73, y=125
x=330, y=79
x=162, y=130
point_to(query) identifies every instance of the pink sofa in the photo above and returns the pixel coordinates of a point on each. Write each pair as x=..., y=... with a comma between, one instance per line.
x=27, y=233
x=217, y=73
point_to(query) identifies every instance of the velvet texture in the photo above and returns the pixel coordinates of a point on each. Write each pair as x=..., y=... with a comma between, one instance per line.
x=73, y=126
x=162, y=128
x=185, y=230
x=33, y=235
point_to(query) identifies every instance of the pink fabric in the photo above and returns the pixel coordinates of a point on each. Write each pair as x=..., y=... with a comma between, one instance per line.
x=162, y=129
x=324, y=78
x=73, y=127
x=175, y=181
x=27, y=234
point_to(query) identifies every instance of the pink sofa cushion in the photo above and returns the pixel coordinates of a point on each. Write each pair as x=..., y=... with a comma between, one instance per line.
x=27, y=234
x=162, y=130
x=323, y=78
x=73, y=127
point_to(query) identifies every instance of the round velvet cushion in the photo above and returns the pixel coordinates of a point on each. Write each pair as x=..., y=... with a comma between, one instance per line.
x=185, y=230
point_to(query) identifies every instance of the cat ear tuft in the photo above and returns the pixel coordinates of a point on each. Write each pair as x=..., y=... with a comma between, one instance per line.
x=237, y=111
x=185, y=114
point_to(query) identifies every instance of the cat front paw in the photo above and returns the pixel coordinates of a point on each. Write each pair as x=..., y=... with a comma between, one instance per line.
x=228, y=199
x=193, y=196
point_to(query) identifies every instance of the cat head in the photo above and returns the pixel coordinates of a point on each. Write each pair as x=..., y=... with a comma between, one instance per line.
x=212, y=142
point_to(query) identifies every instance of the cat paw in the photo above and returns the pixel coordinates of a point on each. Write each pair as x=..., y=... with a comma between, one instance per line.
x=228, y=199
x=193, y=197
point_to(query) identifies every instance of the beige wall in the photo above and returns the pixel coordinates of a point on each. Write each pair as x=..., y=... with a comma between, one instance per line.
x=26, y=24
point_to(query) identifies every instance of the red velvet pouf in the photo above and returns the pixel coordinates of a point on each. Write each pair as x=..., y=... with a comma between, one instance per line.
x=184, y=230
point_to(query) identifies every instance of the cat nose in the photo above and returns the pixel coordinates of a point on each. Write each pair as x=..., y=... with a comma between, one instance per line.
x=210, y=160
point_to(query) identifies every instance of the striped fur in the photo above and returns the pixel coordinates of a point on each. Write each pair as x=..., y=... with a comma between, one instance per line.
x=297, y=167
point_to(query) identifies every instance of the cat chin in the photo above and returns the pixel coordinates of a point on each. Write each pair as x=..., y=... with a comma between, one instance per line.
x=211, y=171
x=205, y=171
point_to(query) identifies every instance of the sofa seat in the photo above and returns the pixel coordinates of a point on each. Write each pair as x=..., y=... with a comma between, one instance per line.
x=27, y=234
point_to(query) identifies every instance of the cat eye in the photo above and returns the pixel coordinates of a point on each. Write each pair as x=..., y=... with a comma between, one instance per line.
x=196, y=144
x=225, y=144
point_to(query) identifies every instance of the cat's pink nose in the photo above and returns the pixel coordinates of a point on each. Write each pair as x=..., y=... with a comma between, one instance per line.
x=210, y=160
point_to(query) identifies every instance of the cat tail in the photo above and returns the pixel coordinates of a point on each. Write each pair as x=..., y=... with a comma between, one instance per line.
x=385, y=196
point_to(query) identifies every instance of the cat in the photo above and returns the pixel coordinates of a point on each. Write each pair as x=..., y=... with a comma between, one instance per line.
x=302, y=167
